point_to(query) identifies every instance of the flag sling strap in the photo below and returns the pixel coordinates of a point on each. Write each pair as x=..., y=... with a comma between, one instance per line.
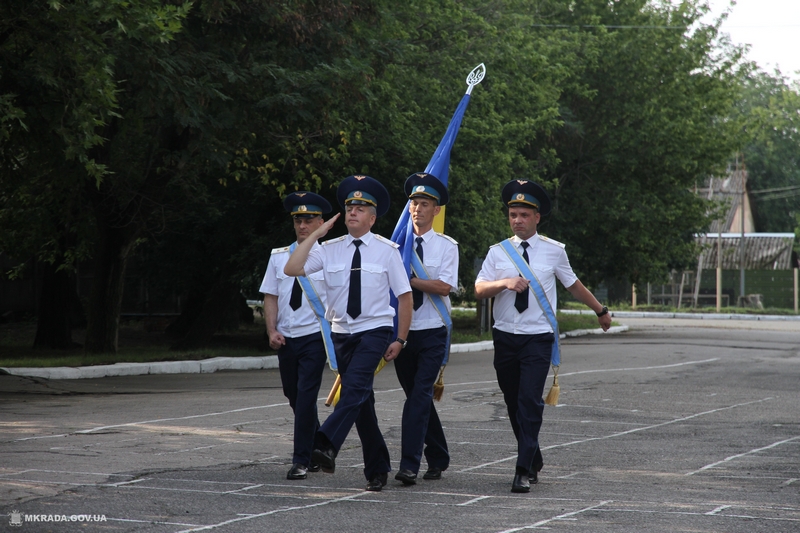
x=536, y=288
x=436, y=300
x=319, y=310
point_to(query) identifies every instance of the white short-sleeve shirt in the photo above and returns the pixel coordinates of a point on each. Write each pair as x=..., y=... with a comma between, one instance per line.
x=381, y=269
x=291, y=323
x=548, y=261
x=440, y=257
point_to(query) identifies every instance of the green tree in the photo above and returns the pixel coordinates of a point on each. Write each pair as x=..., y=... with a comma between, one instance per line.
x=770, y=108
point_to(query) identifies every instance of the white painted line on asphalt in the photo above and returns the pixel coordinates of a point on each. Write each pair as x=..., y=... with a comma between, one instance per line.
x=790, y=481
x=145, y=422
x=653, y=426
x=718, y=509
x=628, y=369
x=473, y=500
x=622, y=433
x=268, y=513
x=565, y=516
x=750, y=452
x=121, y=483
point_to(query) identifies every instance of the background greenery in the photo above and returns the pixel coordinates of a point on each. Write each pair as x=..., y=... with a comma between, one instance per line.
x=166, y=132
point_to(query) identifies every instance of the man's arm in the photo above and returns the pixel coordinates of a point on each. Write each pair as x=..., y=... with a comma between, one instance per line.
x=432, y=286
x=582, y=294
x=405, y=307
x=294, y=266
x=276, y=340
x=490, y=289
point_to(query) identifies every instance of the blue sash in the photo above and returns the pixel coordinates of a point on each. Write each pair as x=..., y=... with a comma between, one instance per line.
x=536, y=288
x=436, y=300
x=319, y=310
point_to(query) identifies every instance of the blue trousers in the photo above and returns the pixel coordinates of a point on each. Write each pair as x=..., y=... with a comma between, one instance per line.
x=301, y=362
x=522, y=363
x=358, y=356
x=417, y=368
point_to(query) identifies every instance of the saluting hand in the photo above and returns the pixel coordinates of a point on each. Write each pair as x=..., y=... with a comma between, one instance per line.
x=324, y=228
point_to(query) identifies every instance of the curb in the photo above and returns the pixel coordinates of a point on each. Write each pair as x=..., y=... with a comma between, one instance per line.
x=208, y=366
x=694, y=316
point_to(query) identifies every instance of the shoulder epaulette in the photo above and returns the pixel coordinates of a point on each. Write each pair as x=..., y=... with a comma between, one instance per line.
x=448, y=237
x=387, y=241
x=280, y=250
x=337, y=239
x=551, y=241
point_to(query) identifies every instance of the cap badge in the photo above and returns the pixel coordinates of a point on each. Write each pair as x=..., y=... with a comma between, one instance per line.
x=359, y=177
x=357, y=194
x=522, y=182
x=420, y=188
x=520, y=196
x=300, y=194
x=422, y=175
x=302, y=208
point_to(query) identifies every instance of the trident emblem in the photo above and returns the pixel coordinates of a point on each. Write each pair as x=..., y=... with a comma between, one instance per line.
x=475, y=77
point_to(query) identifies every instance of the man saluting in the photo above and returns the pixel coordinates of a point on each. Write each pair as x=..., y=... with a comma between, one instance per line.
x=359, y=269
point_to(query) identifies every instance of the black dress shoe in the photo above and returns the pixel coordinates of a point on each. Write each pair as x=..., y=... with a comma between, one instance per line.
x=521, y=483
x=313, y=467
x=326, y=459
x=406, y=476
x=297, y=471
x=433, y=473
x=533, y=477
x=377, y=482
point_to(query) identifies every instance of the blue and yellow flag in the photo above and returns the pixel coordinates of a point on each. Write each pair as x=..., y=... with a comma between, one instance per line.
x=438, y=166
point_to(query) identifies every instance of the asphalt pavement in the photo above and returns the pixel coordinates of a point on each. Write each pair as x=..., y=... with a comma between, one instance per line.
x=673, y=425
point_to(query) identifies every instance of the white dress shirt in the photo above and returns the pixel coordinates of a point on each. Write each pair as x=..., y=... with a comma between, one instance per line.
x=440, y=257
x=381, y=269
x=291, y=323
x=548, y=261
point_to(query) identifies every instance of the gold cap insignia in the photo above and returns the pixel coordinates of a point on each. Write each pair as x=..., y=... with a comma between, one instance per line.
x=300, y=194
x=357, y=194
x=302, y=208
x=520, y=196
x=359, y=177
x=522, y=182
x=420, y=188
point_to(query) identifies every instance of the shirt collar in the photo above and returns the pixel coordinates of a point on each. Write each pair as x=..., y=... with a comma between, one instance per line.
x=517, y=241
x=427, y=236
x=366, y=238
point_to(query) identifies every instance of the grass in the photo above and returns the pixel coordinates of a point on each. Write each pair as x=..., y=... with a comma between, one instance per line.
x=144, y=342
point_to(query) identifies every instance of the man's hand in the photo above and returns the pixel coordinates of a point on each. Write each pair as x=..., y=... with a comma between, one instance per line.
x=605, y=321
x=518, y=284
x=323, y=230
x=393, y=351
x=276, y=340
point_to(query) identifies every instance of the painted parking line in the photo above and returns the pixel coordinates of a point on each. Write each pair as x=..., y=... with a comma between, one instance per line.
x=737, y=456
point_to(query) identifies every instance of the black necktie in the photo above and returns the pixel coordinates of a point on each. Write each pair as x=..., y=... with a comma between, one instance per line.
x=297, y=296
x=521, y=302
x=416, y=294
x=354, y=295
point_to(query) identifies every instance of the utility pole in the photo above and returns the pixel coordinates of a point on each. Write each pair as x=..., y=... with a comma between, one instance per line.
x=742, y=175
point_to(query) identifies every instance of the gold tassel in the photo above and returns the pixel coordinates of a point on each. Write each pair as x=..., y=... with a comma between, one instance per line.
x=438, y=387
x=333, y=395
x=555, y=390
x=336, y=390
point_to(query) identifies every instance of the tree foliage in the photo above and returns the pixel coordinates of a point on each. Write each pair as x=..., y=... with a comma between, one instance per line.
x=171, y=130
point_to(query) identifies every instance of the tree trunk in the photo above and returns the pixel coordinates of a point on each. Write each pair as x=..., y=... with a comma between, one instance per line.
x=207, y=323
x=105, y=299
x=56, y=307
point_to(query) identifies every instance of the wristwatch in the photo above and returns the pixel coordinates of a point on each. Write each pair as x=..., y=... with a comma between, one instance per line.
x=603, y=312
x=402, y=342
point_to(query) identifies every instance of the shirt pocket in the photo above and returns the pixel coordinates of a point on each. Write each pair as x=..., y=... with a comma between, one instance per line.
x=335, y=275
x=371, y=275
x=433, y=266
x=506, y=269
